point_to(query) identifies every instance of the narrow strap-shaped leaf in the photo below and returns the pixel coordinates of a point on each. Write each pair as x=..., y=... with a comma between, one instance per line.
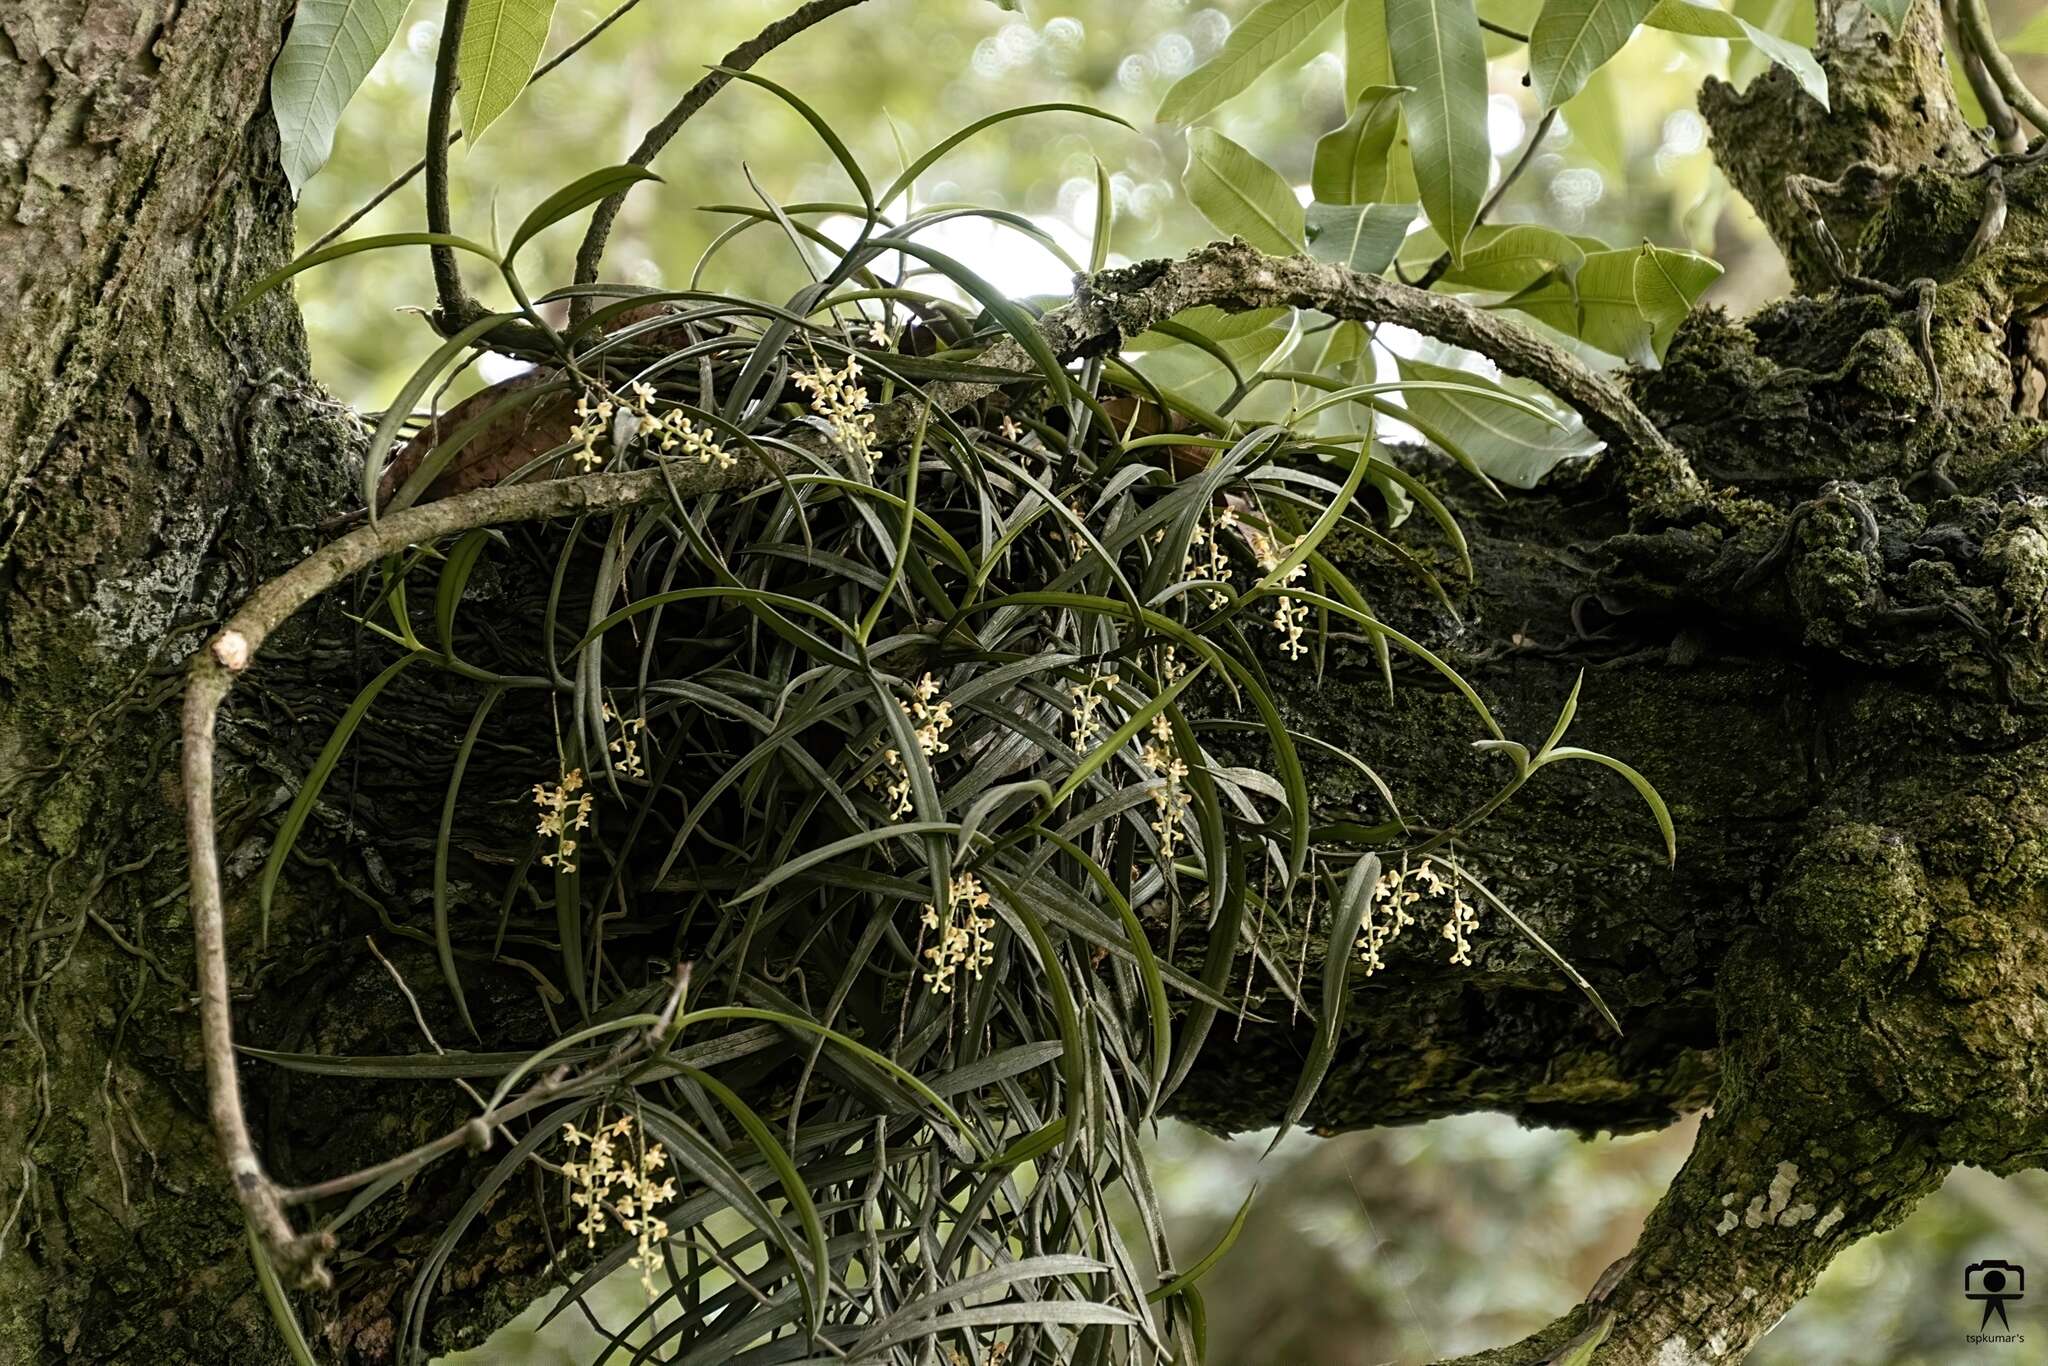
x=1644, y=789
x=350, y=247
x=1360, y=886
x=444, y=946
x=579, y=193
x=1207, y=1262
x=946, y=144
x=316, y=780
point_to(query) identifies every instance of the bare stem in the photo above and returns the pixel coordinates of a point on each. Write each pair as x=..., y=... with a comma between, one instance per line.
x=1976, y=29
x=591, y=254
x=2006, y=133
x=458, y=310
x=1236, y=278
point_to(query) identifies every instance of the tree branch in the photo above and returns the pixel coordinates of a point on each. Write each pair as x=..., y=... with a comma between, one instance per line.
x=590, y=255
x=1119, y=304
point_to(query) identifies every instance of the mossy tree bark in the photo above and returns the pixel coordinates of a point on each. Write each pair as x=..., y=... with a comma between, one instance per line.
x=1829, y=665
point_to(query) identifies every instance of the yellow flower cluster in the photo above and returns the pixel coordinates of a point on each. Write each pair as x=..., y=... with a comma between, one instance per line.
x=593, y=424
x=626, y=748
x=1289, y=617
x=669, y=432
x=1388, y=914
x=840, y=398
x=1168, y=797
x=1208, y=538
x=561, y=813
x=962, y=940
x=600, y=1177
x=932, y=719
x=1087, y=697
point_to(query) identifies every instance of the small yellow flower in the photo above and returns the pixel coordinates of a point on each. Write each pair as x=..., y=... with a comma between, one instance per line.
x=561, y=813
x=841, y=399
x=599, y=1178
x=962, y=934
x=626, y=747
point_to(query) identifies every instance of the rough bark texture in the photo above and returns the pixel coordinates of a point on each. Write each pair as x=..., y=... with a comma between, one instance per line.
x=156, y=458
x=1831, y=664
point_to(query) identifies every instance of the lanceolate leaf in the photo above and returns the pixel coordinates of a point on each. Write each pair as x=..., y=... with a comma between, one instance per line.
x=1573, y=38
x=1361, y=236
x=331, y=47
x=1265, y=36
x=1242, y=195
x=1505, y=442
x=500, y=43
x=1514, y=256
x=1705, y=21
x=1627, y=302
x=1438, y=54
x=1351, y=161
x=1366, y=61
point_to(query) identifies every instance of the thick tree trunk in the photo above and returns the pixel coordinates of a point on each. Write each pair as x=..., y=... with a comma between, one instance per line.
x=156, y=458
x=1829, y=669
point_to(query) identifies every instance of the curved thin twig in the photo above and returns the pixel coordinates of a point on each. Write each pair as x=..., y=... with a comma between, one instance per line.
x=212, y=674
x=590, y=255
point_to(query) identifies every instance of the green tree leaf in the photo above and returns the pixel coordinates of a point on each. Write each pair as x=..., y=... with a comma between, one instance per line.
x=1351, y=161
x=1597, y=124
x=1361, y=236
x=1265, y=36
x=1574, y=38
x=1241, y=194
x=1513, y=256
x=500, y=44
x=1508, y=444
x=1704, y=21
x=331, y=47
x=1667, y=283
x=1438, y=53
x=1626, y=302
x=1366, y=60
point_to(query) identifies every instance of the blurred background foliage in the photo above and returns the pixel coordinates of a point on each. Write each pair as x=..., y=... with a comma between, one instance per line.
x=1399, y=1245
